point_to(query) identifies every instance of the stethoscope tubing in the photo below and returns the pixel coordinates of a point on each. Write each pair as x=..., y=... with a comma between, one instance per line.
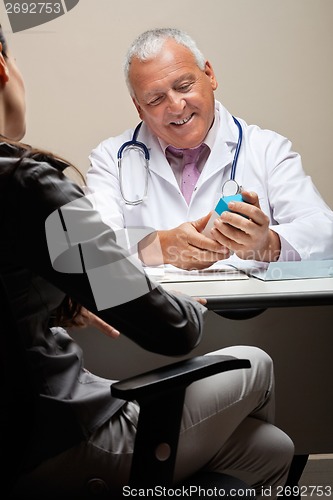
x=140, y=146
x=134, y=143
x=239, y=143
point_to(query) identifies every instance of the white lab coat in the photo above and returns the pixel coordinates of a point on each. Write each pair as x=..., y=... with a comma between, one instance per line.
x=266, y=165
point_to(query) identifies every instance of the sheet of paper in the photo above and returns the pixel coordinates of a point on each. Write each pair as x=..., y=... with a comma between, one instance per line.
x=217, y=272
x=276, y=271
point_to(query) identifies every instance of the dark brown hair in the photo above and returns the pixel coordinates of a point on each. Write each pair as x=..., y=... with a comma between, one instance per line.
x=4, y=42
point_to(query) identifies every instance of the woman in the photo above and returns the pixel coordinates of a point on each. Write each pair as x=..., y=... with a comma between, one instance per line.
x=78, y=428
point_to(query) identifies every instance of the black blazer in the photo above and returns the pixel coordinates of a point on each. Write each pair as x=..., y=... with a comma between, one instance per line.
x=71, y=402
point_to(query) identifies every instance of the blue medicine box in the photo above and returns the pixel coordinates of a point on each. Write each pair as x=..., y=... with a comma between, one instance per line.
x=222, y=205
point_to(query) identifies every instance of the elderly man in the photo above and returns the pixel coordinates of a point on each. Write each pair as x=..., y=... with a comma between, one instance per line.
x=172, y=86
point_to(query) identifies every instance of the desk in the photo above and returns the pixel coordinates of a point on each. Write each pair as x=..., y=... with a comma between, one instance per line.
x=296, y=331
x=255, y=293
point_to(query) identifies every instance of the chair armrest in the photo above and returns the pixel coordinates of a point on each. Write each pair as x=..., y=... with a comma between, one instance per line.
x=175, y=375
x=160, y=394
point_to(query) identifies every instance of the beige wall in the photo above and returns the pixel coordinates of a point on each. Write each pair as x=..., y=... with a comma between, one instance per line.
x=273, y=60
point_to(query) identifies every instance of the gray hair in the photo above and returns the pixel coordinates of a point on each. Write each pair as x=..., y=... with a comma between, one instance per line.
x=150, y=43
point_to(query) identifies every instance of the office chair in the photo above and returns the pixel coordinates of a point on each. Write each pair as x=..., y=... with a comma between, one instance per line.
x=160, y=394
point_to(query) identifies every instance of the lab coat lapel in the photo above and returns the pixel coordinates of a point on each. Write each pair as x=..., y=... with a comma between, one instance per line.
x=221, y=155
x=219, y=158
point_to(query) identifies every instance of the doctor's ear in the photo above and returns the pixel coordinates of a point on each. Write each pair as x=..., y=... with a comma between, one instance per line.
x=138, y=107
x=209, y=71
x=4, y=73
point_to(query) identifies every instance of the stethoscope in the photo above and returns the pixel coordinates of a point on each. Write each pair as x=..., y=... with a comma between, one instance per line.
x=229, y=188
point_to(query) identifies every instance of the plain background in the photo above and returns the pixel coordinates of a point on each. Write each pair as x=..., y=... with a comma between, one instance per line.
x=274, y=63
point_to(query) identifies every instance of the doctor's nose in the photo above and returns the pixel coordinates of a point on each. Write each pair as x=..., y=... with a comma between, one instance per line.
x=176, y=102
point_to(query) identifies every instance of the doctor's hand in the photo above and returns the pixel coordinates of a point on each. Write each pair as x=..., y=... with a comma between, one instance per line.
x=248, y=237
x=184, y=247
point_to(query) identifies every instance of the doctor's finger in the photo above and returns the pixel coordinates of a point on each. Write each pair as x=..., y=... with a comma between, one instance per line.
x=195, y=259
x=251, y=198
x=248, y=211
x=253, y=216
x=205, y=258
x=201, y=223
x=202, y=242
x=230, y=235
x=233, y=226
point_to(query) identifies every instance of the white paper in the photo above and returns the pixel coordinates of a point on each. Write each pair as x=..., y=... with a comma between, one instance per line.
x=216, y=272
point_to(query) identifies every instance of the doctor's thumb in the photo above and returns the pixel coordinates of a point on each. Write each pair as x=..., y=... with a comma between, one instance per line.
x=201, y=223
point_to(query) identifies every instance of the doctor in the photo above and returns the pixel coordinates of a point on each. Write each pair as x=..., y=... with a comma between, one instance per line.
x=172, y=87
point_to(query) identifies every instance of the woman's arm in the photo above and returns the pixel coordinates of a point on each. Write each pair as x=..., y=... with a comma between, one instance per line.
x=67, y=243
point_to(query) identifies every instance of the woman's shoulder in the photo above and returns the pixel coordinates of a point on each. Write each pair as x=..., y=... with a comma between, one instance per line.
x=38, y=177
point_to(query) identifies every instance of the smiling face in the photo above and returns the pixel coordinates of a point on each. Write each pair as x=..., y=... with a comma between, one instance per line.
x=173, y=96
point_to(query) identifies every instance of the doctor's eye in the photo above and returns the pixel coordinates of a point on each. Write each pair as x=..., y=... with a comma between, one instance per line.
x=155, y=101
x=185, y=87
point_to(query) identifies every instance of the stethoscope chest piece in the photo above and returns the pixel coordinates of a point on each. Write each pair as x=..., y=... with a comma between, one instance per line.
x=231, y=188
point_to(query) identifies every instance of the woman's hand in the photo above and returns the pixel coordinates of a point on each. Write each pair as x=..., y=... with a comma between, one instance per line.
x=86, y=318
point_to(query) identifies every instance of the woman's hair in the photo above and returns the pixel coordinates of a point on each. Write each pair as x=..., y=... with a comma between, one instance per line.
x=27, y=151
x=150, y=43
x=3, y=41
x=69, y=309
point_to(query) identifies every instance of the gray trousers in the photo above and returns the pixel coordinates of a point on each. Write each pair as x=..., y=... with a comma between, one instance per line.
x=227, y=426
